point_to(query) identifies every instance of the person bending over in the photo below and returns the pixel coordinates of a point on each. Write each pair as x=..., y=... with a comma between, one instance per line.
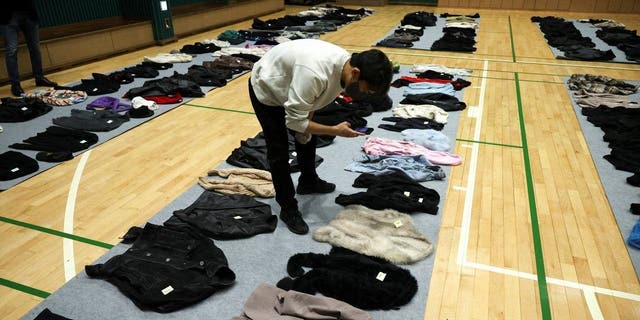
x=286, y=86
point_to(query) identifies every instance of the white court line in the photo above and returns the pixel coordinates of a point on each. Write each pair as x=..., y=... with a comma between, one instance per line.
x=592, y=304
x=587, y=289
x=471, y=181
x=459, y=188
x=67, y=244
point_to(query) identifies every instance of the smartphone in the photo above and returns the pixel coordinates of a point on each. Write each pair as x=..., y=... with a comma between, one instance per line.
x=365, y=130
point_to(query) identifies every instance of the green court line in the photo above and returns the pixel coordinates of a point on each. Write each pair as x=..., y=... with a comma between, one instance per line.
x=489, y=143
x=540, y=81
x=535, y=228
x=513, y=48
x=23, y=288
x=56, y=232
x=216, y=108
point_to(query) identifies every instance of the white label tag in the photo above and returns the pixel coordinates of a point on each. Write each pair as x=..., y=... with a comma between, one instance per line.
x=381, y=275
x=15, y=169
x=397, y=223
x=290, y=160
x=407, y=194
x=295, y=154
x=237, y=217
x=420, y=200
x=94, y=89
x=167, y=290
x=24, y=108
x=425, y=123
x=109, y=121
x=83, y=141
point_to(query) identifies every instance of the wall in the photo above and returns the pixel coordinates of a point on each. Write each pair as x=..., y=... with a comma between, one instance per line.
x=599, y=6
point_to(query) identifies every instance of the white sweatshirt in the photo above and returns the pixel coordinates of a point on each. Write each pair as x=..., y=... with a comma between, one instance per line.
x=301, y=76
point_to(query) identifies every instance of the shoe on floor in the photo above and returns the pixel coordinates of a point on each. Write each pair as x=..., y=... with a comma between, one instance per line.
x=316, y=186
x=16, y=89
x=294, y=221
x=44, y=82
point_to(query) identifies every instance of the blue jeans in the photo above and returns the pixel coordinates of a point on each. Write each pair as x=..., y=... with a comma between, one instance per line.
x=22, y=22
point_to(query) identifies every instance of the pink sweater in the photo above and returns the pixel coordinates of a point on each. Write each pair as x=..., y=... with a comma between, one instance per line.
x=382, y=146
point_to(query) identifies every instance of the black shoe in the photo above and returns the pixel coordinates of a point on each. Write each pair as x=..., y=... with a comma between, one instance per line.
x=316, y=186
x=44, y=82
x=294, y=222
x=16, y=89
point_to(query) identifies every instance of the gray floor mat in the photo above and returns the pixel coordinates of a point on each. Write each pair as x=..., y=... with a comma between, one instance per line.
x=618, y=191
x=262, y=258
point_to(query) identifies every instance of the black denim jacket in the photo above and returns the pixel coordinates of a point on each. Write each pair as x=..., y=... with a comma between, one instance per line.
x=166, y=270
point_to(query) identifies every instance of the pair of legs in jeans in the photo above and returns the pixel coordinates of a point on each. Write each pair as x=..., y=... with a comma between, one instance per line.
x=22, y=22
x=272, y=120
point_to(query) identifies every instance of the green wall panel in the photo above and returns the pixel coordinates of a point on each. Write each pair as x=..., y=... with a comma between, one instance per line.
x=60, y=12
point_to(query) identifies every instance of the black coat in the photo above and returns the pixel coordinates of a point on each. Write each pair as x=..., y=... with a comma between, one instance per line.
x=364, y=282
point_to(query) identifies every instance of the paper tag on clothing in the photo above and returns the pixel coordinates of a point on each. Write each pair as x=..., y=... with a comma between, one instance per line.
x=109, y=121
x=420, y=200
x=407, y=193
x=24, y=108
x=15, y=169
x=237, y=217
x=381, y=275
x=290, y=160
x=295, y=154
x=83, y=141
x=167, y=290
x=94, y=89
x=397, y=223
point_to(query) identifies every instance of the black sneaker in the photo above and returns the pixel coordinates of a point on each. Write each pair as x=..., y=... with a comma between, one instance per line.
x=317, y=186
x=44, y=82
x=294, y=222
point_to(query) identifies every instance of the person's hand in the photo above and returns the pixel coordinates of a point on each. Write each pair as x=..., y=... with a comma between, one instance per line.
x=343, y=129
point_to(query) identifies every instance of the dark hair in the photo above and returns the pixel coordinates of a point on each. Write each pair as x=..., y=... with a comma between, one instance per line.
x=375, y=69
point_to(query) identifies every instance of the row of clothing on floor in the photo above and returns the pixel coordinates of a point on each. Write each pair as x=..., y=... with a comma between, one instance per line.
x=564, y=35
x=73, y=133
x=607, y=104
x=459, y=32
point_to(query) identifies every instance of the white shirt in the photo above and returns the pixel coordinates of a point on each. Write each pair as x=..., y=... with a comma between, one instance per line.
x=301, y=76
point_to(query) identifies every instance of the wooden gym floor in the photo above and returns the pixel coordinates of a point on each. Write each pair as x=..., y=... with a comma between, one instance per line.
x=527, y=232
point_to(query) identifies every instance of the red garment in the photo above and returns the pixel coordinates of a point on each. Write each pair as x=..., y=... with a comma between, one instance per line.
x=168, y=99
x=415, y=79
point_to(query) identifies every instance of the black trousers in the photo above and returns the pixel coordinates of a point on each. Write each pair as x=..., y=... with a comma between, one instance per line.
x=276, y=134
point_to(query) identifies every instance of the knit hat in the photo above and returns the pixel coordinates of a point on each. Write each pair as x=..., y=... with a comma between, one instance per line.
x=140, y=112
x=15, y=164
x=387, y=234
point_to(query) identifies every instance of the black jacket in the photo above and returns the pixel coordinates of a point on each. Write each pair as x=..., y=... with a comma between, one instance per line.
x=364, y=282
x=225, y=216
x=166, y=270
x=393, y=190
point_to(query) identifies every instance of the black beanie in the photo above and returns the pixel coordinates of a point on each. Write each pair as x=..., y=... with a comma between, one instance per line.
x=15, y=164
